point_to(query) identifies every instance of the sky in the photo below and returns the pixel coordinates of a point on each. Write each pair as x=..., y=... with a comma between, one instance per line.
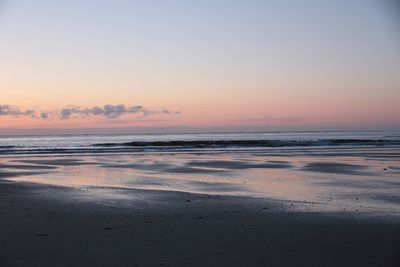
x=214, y=64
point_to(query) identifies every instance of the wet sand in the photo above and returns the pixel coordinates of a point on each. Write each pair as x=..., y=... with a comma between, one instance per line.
x=200, y=210
x=42, y=225
x=314, y=182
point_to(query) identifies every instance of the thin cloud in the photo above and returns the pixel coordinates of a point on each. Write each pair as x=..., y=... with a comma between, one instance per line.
x=108, y=111
x=8, y=110
x=270, y=118
x=112, y=111
x=44, y=115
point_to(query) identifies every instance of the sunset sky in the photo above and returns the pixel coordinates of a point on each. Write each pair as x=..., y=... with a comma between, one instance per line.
x=209, y=63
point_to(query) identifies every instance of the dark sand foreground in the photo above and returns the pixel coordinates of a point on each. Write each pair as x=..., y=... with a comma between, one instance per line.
x=49, y=226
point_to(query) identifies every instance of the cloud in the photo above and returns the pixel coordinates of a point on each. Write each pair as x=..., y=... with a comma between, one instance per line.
x=270, y=118
x=8, y=110
x=44, y=115
x=109, y=111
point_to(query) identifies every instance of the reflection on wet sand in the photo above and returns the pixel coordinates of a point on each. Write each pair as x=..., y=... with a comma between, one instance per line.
x=334, y=167
x=238, y=164
x=55, y=162
x=330, y=182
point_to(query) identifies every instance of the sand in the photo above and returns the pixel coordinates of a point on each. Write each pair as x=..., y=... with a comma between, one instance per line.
x=221, y=209
x=43, y=225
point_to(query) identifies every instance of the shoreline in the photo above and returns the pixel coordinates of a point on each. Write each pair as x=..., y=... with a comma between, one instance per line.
x=170, y=228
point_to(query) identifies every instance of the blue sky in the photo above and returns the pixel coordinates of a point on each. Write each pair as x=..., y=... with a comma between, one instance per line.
x=329, y=63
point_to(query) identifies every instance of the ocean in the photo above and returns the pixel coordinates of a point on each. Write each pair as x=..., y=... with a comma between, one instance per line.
x=194, y=142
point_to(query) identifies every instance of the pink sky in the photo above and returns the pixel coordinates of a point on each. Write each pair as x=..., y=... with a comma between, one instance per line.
x=264, y=65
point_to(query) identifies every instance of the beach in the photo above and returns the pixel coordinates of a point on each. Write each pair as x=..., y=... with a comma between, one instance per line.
x=198, y=206
x=40, y=228
x=199, y=133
